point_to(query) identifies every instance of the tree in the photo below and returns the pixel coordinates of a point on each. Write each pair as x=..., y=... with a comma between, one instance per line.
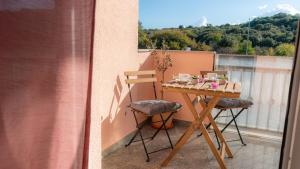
x=204, y=47
x=268, y=42
x=176, y=40
x=265, y=34
x=271, y=51
x=255, y=38
x=143, y=41
x=174, y=45
x=264, y=51
x=213, y=37
x=285, y=49
x=246, y=48
x=228, y=41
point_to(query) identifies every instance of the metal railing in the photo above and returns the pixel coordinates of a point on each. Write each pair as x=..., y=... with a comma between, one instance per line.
x=265, y=80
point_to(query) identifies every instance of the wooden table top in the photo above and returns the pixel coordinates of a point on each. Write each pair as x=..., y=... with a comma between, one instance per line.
x=228, y=90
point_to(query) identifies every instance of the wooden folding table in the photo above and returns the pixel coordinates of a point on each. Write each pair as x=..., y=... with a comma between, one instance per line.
x=229, y=90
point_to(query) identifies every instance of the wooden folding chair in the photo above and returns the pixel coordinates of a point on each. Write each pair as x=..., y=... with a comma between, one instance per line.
x=149, y=108
x=225, y=104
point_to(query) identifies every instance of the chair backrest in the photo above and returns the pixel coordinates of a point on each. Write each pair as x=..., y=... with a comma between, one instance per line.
x=145, y=76
x=218, y=72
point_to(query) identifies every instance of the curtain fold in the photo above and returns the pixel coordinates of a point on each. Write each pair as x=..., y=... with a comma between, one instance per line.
x=45, y=49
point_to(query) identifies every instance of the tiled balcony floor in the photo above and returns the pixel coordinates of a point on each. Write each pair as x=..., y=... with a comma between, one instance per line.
x=258, y=154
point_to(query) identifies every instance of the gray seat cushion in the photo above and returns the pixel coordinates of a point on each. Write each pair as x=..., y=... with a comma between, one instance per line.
x=151, y=107
x=227, y=103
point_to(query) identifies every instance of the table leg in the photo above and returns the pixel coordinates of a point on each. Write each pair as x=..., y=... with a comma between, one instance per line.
x=212, y=147
x=218, y=132
x=198, y=123
x=206, y=112
x=183, y=139
x=220, y=135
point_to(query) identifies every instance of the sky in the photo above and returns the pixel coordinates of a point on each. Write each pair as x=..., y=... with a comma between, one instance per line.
x=172, y=13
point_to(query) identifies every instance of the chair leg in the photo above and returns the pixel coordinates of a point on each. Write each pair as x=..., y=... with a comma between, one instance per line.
x=214, y=119
x=148, y=159
x=158, y=130
x=236, y=126
x=139, y=127
x=164, y=124
x=142, y=139
x=232, y=119
x=133, y=137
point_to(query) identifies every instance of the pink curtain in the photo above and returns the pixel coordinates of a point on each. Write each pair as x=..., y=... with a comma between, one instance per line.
x=45, y=49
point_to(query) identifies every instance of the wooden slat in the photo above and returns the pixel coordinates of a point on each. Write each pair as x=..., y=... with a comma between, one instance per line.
x=218, y=72
x=237, y=87
x=199, y=85
x=229, y=87
x=188, y=86
x=221, y=88
x=178, y=88
x=166, y=85
x=205, y=86
x=141, y=80
x=138, y=73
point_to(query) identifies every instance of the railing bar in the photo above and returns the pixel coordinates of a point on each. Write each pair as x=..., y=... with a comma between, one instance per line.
x=249, y=94
x=227, y=112
x=271, y=100
x=259, y=98
x=242, y=81
x=257, y=68
x=282, y=99
x=266, y=72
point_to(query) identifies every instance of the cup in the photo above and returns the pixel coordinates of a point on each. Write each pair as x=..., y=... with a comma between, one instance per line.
x=212, y=76
x=184, y=77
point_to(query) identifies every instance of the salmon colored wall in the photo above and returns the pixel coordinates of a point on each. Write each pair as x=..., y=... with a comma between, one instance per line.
x=115, y=124
x=191, y=62
x=115, y=51
x=44, y=62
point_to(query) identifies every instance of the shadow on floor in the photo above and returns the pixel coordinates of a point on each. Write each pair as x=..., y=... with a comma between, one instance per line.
x=258, y=154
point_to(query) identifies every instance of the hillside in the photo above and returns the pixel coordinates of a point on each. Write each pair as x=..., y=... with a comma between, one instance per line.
x=273, y=35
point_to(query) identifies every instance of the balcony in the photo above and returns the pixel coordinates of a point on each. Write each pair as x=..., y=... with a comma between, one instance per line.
x=265, y=81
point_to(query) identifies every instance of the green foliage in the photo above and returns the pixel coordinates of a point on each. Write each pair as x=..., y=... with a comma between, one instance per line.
x=176, y=40
x=267, y=36
x=285, y=50
x=246, y=48
x=204, y=47
x=180, y=27
x=268, y=42
x=143, y=42
x=264, y=51
x=228, y=41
